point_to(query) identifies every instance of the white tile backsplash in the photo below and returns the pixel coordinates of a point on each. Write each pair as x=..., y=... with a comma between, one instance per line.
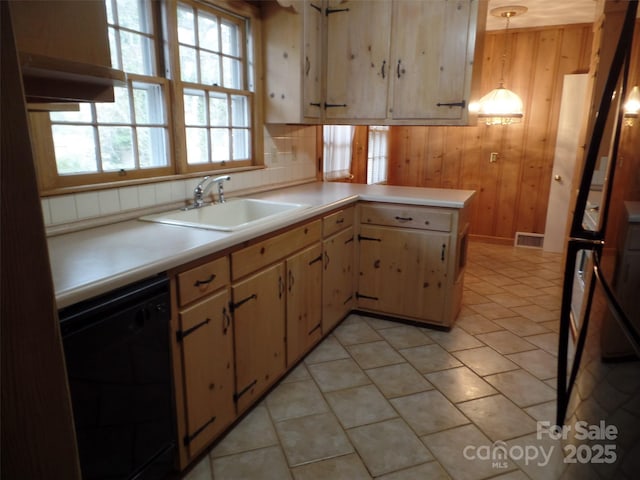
x=63, y=209
x=129, y=198
x=109, y=201
x=87, y=205
x=289, y=156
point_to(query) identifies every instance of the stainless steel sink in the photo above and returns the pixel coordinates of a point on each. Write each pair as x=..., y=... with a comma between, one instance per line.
x=232, y=215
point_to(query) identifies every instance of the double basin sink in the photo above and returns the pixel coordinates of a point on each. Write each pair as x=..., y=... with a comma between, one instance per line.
x=234, y=214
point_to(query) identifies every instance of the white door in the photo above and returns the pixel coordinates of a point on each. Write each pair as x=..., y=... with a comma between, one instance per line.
x=572, y=110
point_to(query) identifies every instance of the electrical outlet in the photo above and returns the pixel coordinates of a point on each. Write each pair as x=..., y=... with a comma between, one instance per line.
x=493, y=158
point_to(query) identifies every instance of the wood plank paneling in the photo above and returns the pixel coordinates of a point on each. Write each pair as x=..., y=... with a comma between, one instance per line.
x=512, y=194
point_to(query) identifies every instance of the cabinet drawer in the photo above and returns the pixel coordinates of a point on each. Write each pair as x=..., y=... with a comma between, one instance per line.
x=202, y=280
x=272, y=249
x=337, y=221
x=408, y=216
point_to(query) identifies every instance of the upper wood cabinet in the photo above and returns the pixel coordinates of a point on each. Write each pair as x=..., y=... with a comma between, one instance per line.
x=432, y=56
x=357, y=59
x=388, y=62
x=64, y=50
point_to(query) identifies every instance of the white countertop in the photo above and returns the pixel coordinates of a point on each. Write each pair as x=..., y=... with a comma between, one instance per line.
x=91, y=262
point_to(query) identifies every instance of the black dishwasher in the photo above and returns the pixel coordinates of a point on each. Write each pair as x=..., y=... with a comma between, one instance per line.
x=119, y=368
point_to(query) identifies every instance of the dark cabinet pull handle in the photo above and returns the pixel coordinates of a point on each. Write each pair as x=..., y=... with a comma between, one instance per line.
x=340, y=221
x=384, y=63
x=291, y=280
x=189, y=438
x=444, y=247
x=335, y=10
x=404, y=219
x=180, y=334
x=314, y=104
x=398, y=68
x=317, y=259
x=280, y=287
x=226, y=320
x=461, y=104
x=307, y=66
x=316, y=7
x=205, y=282
x=326, y=260
x=236, y=396
x=334, y=105
x=234, y=306
x=371, y=239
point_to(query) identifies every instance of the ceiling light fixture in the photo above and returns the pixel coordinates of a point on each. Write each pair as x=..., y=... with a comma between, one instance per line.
x=632, y=106
x=501, y=106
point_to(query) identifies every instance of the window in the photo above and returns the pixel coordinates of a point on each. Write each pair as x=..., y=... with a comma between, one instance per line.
x=337, y=151
x=378, y=153
x=208, y=74
x=215, y=94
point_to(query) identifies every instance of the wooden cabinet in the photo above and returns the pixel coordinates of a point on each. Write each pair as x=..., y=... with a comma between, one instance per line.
x=338, y=253
x=276, y=308
x=410, y=261
x=384, y=62
x=203, y=355
x=403, y=272
x=259, y=332
x=206, y=334
x=64, y=51
x=432, y=59
x=292, y=52
x=304, y=302
x=357, y=65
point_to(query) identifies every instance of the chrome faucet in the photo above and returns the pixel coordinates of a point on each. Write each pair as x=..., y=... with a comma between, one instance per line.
x=202, y=187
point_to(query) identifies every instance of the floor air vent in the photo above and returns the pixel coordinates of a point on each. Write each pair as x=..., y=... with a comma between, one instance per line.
x=530, y=240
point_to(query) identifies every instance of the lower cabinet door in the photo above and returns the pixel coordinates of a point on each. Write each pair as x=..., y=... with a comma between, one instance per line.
x=403, y=272
x=259, y=330
x=338, y=278
x=304, y=297
x=207, y=350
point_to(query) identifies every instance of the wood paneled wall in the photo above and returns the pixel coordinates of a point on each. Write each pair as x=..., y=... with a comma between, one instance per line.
x=512, y=193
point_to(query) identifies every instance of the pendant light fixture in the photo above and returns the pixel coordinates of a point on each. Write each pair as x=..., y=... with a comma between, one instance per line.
x=501, y=106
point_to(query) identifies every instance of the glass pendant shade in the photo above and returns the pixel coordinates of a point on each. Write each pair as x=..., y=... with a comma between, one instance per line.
x=500, y=107
x=632, y=105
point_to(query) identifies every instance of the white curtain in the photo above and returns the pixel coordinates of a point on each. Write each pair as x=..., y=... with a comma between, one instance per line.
x=337, y=151
x=377, y=154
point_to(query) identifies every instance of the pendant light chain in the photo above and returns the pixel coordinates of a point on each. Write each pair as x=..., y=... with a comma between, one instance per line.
x=504, y=50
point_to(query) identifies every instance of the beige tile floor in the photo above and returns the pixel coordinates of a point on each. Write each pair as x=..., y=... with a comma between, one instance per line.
x=381, y=399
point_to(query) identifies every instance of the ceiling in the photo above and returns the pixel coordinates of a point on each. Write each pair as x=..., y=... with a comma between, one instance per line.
x=544, y=12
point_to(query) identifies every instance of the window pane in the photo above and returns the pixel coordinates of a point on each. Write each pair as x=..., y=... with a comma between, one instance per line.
x=230, y=34
x=186, y=25
x=113, y=47
x=148, y=104
x=109, y=7
x=75, y=149
x=197, y=146
x=137, y=52
x=240, y=144
x=218, y=110
x=116, y=148
x=82, y=116
x=152, y=147
x=219, y=145
x=188, y=64
x=209, y=68
x=131, y=14
x=239, y=111
x=232, y=73
x=118, y=111
x=208, y=31
x=194, y=108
